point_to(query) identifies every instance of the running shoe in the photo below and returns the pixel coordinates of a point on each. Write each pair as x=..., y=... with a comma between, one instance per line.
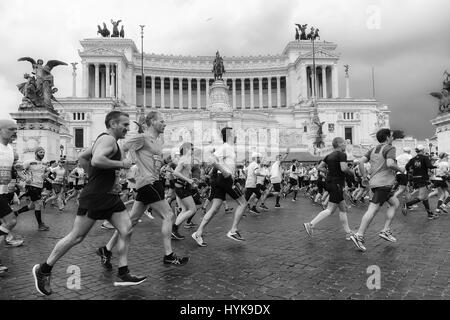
x=443, y=210
x=294, y=200
x=308, y=228
x=263, y=206
x=107, y=226
x=176, y=235
x=105, y=258
x=3, y=268
x=254, y=210
x=128, y=279
x=42, y=281
x=432, y=216
x=228, y=210
x=149, y=215
x=405, y=209
x=236, y=236
x=387, y=235
x=358, y=241
x=175, y=260
x=43, y=227
x=277, y=206
x=189, y=225
x=12, y=243
x=348, y=235
x=199, y=240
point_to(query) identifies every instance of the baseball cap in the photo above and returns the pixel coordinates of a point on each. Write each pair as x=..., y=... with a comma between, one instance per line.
x=407, y=149
x=420, y=147
x=256, y=155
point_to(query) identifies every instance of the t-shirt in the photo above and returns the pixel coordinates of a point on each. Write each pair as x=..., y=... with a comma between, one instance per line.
x=6, y=163
x=419, y=165
x=251, y=175
x=380, y=174
x=227, y=157
x=60, y=172
x=293, y=173
x=442, y=169
x=275, y=172
x=149, y=158
x=403, y=159
x=264, y=172
x=185, y=163
x=35, y=170
x=79, y=173
x=314, y=174
x=333, y=162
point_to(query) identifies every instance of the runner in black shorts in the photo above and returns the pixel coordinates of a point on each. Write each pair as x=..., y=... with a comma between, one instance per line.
x=224, y=159
x=147, y=149
x=336, y=164
x=98, y=201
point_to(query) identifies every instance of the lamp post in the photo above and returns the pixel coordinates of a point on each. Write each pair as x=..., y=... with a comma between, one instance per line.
x=142, y=65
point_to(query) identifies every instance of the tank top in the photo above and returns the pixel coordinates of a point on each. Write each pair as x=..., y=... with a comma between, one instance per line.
x=102, y=181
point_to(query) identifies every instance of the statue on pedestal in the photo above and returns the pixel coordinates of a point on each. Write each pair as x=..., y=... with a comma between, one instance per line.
x=444, y=95
x=39, y=90
x=347, y=67
x=218, y=67
x=319, y=134
x=302, y=29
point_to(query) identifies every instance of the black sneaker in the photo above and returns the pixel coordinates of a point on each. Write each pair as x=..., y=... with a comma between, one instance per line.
x=128, y=279
x=443, y=210
x=43, y=227
x=42, y=281
x=236, y=236
x=175, y=260
x=405, y=209
x=105, y=258
x=277, y=206
x=263, y=206
x=432, y=216
x=176, y=235
x=254, y=210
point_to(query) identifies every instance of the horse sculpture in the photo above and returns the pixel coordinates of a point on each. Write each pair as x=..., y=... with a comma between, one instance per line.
x=103, y=32
x=218, y=68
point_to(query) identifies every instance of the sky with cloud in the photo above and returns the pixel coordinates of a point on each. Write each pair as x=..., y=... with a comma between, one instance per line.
x=406, y=41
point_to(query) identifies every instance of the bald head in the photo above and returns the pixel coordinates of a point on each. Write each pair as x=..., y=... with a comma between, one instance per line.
x=8, y=131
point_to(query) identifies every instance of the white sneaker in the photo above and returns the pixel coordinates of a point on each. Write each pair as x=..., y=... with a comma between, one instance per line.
x=149, y=215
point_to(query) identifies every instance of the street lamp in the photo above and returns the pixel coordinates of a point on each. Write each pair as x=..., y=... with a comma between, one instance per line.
x=142, y=65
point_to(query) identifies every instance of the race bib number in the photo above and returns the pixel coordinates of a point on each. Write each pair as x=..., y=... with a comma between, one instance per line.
x=5, y=175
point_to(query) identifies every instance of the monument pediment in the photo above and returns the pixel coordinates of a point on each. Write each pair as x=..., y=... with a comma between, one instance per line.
x=320, y=54
x=101, y=52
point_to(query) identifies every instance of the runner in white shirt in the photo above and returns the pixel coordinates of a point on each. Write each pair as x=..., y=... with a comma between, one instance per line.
x=77, y=175
x=263, y=185
x=276, y=177
x=224, y=159
x=57, y=184
x=251, y=190
x=439, y=180
x=8, y=133
x=402, y=178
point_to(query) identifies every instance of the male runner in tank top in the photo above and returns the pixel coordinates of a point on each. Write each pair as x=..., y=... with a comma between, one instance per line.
x=383, y=170
x=99, y=200
x=147, y=149
x=224, y=160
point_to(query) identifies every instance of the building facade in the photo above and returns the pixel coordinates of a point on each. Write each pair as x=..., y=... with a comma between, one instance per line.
x=270, y=98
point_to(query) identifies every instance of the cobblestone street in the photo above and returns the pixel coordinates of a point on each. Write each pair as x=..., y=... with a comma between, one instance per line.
x=277, y=262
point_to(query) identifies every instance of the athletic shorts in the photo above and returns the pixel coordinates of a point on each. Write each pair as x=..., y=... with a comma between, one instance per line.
x=321, y=186
x=78, y=187
x=100, y=206
x=48, y=185
x=183, y=192
x=439, y=184
x=250, y=191
x=5, y=209
x=261, y=187
x=124, y=186
x=57, y=187
x=276, y=187
x=381, y=195
x=293, y=182
x=336, y=190
x=70, y=185
x=196, y=197
x=420, y=183
x=151, y=193
x=34, y=193
x=402, y=179
x=224, y=186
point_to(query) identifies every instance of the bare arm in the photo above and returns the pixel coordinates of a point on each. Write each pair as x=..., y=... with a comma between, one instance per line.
x=104, y=147
x=85, y=158
x=177, y=173
x=393, y=165
x=362, y=169
x=346, y=169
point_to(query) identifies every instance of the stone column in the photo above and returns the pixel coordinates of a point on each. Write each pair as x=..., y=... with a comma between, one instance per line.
x=108, y=81
x=260, y=92
x=207, y=93
x=304, y=81
x=153, y=92
x=97, y=81
x=119, y=80
x=199, y=100
x=113, y=81
x=171, y=93
x=189, y=93
x=180, y=93
x=85, y=79
x=162, y=93
x=243, y=92
x=74, y=82
x=252, y=97
x=278, y=92
x=324, y=82
x=234, y=92
x=269, y=89
x=335, y=85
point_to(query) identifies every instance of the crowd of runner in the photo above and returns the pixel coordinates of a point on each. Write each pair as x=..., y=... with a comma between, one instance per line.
x=186, y=193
